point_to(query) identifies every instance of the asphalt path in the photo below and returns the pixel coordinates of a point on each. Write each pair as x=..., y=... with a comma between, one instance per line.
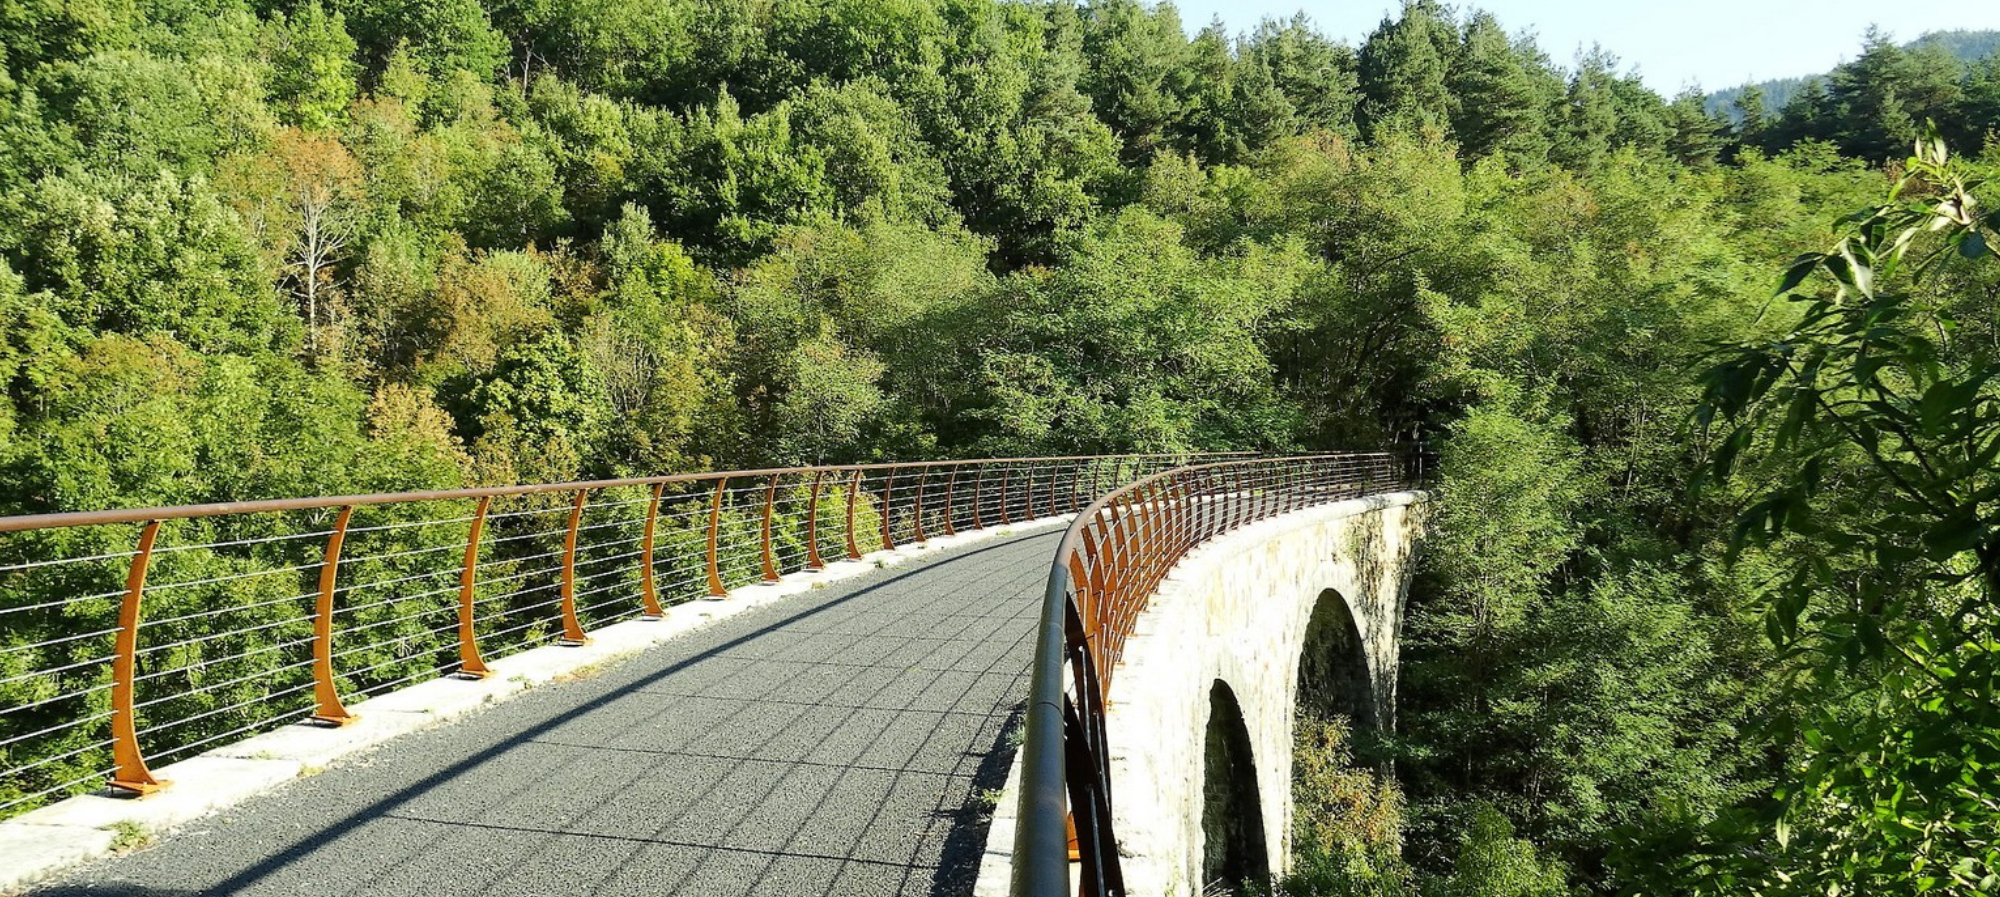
x=839, y=742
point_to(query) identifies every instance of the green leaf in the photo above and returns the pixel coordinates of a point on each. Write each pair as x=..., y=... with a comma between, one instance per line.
x=1801, y=268
x=1870, y=635
x=1860, y=272
x=1950, y=537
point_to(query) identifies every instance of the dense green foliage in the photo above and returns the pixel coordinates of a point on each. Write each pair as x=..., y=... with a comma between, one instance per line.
x=252, y=248
x=1871, y=431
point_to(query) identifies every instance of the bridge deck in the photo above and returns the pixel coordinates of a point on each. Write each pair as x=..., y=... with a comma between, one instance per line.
x=832, y=743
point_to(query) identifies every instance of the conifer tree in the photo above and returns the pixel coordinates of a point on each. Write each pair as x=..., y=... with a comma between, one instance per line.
x=1809, y=115
x=1977, y=117
x=1315, y=75
x=1499, y=105
x=1590, y=121
x=1752, y=122
x=1403, y=70
x=1134, y=56
x=1259, y=113
x=1694, y=137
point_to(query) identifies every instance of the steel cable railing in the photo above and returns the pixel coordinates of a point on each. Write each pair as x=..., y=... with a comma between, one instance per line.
x=1111, y=561
x=133, y=638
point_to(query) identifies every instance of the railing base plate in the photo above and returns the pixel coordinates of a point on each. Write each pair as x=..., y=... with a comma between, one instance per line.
x=137, y=790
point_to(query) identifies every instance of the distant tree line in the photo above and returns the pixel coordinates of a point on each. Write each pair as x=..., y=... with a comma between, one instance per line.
x=1967, y=47
x=1875, y=106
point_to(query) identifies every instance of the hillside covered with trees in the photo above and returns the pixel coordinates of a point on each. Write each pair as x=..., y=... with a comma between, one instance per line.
x=259, y=248
x=1875, y=106
x=1963, y=47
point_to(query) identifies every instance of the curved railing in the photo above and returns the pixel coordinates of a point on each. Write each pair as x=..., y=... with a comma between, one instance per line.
x=260, y=613
x=1107, y=568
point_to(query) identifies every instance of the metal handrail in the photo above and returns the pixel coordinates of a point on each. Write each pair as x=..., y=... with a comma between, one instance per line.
x=24, y=522
x=244, y=601
x=1106, y=569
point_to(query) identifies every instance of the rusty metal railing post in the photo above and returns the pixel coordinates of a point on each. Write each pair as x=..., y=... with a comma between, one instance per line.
x=1193, y=524
x=715, y=589
x=1187, y=511
x=853, y=493
x=887, y=512
x=813, y=560
x=1197, y=523
x=572, y=627
x=650, y=592
x=469, y=661
x=1246, y=481
x=326, y=697
x=917, y=509
x=978, y=492
x=1212, y=508
x=1006, y=517
x=1252, y=498
x=129, y=771
x=1232, y=499
x=770, y=502
x=950, y=482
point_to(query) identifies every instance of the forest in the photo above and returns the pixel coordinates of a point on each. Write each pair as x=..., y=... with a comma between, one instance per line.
x=1961, y=47
x=1710, y=605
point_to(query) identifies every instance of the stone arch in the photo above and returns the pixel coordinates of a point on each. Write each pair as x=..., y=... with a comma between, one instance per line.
x=1234, y=849
x=1335, y=677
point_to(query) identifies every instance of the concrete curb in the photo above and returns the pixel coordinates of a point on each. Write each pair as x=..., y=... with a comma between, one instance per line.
x=42, y=843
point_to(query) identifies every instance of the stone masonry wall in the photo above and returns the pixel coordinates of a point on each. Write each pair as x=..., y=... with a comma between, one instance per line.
x=1237, y=610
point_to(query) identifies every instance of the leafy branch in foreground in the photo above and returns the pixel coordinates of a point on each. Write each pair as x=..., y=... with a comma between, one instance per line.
x=1872, y=429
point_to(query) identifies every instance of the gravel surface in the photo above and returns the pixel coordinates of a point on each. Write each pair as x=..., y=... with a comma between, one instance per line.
x=833, y=743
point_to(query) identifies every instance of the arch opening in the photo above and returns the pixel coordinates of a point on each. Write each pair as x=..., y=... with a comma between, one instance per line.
x=1234, y=853
x=1334, y=677
x=1340, y=808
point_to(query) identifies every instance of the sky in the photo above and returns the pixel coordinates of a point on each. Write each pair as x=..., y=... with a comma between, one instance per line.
x=1712, y=43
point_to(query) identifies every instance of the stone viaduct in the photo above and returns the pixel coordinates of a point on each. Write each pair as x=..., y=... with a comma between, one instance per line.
x=1201, y=713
